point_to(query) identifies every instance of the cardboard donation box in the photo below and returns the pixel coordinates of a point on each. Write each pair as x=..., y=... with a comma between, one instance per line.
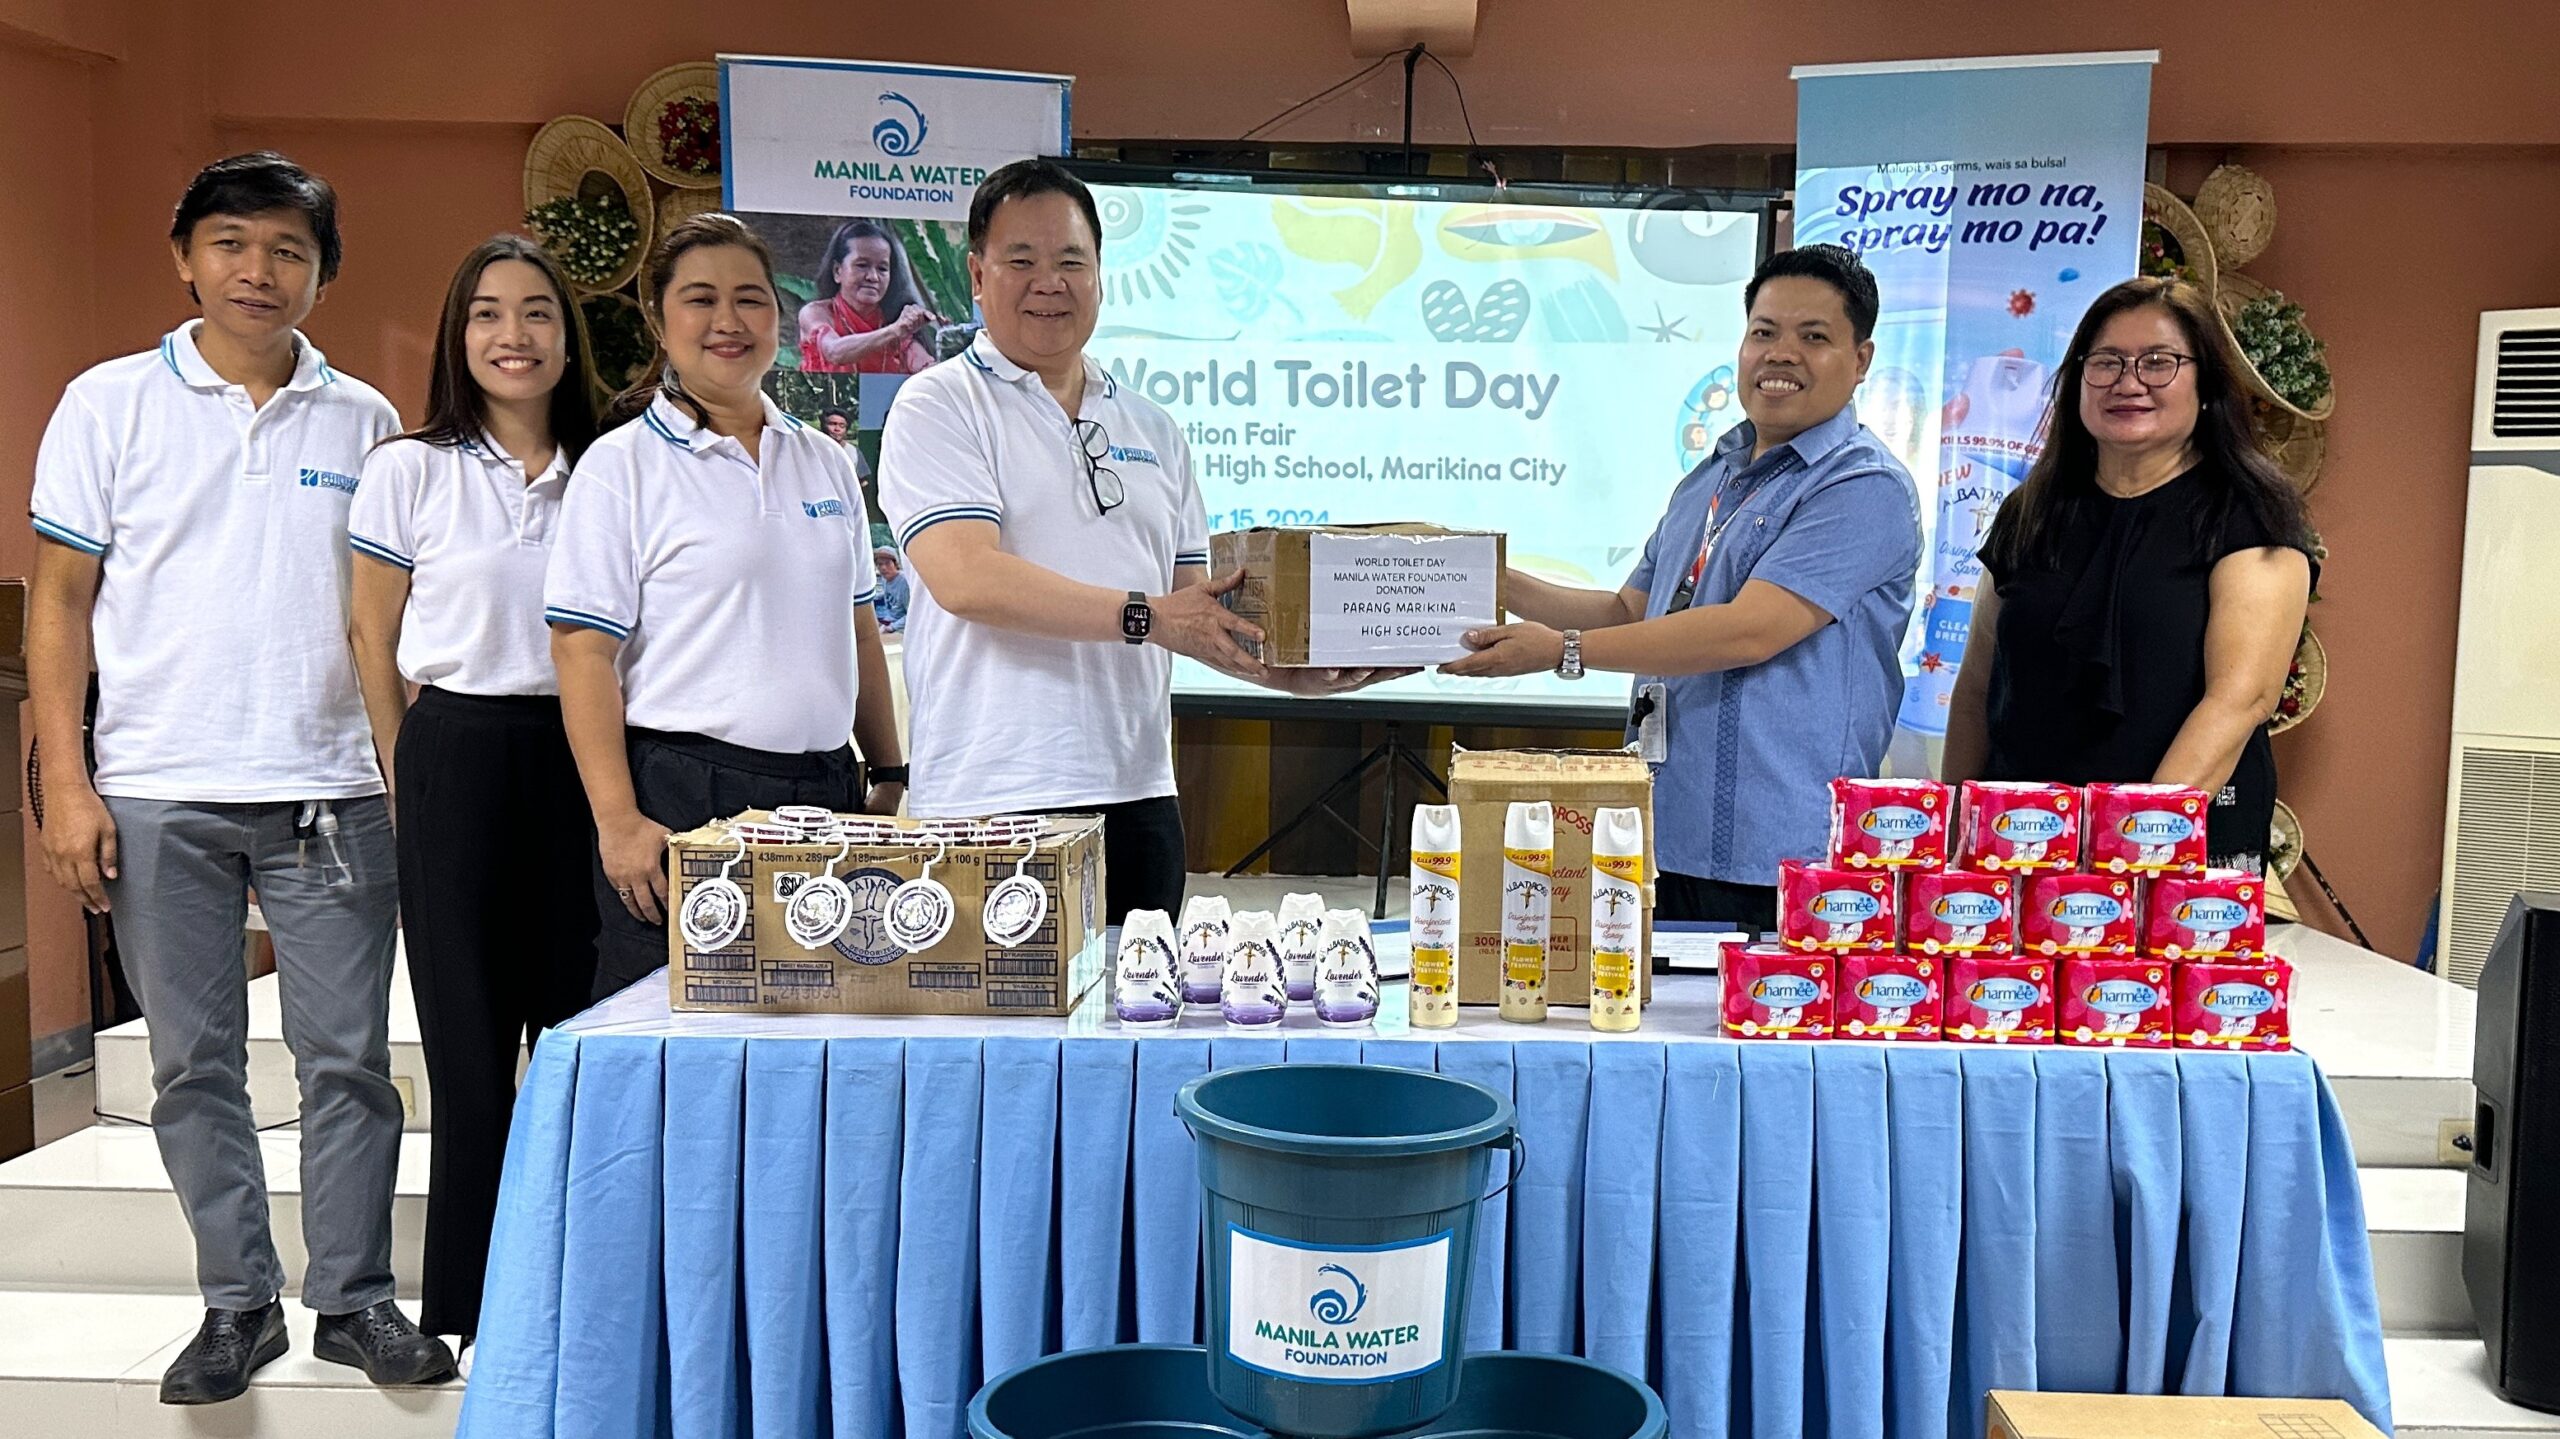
x=2016, y=1415
x=1363, y=595
x=1579, y=783
x=865, y=969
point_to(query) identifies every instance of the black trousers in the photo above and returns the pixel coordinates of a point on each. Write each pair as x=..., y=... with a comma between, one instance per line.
x=492, y=835
x=1142, y=856
x=1689, y=899
x=685, y=781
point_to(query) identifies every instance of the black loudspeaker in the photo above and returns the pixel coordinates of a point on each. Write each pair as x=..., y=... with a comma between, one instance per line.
x=2511, y=1211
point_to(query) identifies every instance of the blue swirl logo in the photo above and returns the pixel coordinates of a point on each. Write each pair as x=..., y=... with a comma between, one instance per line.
x=1894, y=822
x=1331, y=1305
x=897, y=136
x=1970, y=910
x=2027, y=826
x=2156, y=826
x=1893, y=991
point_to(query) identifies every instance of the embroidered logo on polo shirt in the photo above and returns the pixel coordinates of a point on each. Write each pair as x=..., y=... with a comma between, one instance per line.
x=328, y=480
x=1132, y=455
x=822, y=509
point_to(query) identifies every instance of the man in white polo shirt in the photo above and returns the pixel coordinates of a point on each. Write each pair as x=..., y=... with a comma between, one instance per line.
x=194, y=499
x=1061, y=552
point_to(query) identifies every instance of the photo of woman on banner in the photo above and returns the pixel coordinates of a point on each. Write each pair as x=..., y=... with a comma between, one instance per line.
x=868, y=311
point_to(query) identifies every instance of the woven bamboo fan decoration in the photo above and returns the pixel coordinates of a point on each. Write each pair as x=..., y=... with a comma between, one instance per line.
x=2298, y=446
x=2233, y=295
x=673, y=125
x=2303, y=685
x=2195, y=258
x=582, y=161
x=2237, y=207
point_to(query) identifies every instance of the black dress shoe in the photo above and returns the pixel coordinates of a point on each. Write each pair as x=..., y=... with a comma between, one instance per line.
x=232, y=1345
x=385, y=1345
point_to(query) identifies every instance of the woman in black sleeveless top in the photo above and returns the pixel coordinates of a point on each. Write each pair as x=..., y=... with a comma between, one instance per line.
x=2144, y=589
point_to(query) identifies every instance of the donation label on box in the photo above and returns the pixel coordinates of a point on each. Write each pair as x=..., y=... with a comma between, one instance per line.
x=1398, y=599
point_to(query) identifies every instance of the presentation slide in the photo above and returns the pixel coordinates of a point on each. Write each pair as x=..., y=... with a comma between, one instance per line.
x=1547, y=365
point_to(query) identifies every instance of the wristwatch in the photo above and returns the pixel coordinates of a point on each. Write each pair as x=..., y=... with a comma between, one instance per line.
x=886, y=774
x=1570, y=667
x=1137, y=618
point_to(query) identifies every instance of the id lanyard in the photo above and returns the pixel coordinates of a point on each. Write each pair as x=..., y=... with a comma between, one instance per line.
x=1687, y=594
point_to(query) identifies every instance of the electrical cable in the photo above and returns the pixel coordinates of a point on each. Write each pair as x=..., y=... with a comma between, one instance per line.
x=1320, y=96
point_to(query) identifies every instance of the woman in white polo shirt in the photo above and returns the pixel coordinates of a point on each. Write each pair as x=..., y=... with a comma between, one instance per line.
x=710, y=598
x=452, y=529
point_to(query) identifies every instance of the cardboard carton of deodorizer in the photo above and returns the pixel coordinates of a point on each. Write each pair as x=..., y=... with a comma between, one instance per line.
x=1579, y=783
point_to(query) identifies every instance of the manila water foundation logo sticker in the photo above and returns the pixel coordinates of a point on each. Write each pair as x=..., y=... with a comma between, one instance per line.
x=1332, y=1306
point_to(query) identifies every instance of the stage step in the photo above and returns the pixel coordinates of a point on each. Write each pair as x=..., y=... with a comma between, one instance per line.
x=124, y=1061
x=75, y=1364
x=2395, y=1043
x=2414, y=1218
x=93, y=1212
x=2440, y=1390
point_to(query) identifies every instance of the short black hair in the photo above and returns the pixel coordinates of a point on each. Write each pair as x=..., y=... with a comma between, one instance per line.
x=1020, y=181
x=253, y=184
x=835, y=412
x=1835, y=265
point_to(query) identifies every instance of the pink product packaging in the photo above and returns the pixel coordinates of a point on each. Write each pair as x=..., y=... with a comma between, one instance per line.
x=1887, y=996
x=1834, y=909
x=1954, y=911
x=2116, y=1003
x=2017, y=828
x=2003, y=999
x=2079, y=914
x=2243, y=1007
x=1772, y=992
x=2146, y=829
x=2219, y=914
x=1889, y=823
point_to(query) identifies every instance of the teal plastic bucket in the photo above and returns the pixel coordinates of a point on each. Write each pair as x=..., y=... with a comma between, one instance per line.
x=1338, y=1227
x=1161, y=1391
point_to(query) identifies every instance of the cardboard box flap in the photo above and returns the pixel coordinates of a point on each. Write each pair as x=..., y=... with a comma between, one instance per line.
x=2018, y=1415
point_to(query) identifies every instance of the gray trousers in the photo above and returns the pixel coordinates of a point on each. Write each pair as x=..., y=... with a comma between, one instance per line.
x=180, y=903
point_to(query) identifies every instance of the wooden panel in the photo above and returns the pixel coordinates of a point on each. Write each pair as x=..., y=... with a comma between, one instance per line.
x=13, y=883
x=17, y=1120
x=13, y=757
x=1307, y=756
x=1223, y=769
x=15, y=1040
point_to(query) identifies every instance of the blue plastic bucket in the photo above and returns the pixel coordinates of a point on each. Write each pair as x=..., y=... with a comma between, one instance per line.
x=1161, y=1391
x=1338, y=1226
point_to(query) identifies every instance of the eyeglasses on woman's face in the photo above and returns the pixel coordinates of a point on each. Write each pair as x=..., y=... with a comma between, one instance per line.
x=2156, y=369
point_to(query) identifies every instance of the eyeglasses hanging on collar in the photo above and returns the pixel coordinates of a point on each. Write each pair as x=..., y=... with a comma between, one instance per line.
x=1094, y=443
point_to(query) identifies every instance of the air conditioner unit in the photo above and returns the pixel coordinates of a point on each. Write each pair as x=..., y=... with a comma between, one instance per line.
x=2502, y=809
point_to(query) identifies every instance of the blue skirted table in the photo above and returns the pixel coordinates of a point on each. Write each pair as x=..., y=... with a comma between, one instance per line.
x=718, y=1226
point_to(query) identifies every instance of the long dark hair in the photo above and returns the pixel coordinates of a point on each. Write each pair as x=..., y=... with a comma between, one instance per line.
x=457, y=408
x=2064, y=478
x=707, y=230
x=902, y=279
